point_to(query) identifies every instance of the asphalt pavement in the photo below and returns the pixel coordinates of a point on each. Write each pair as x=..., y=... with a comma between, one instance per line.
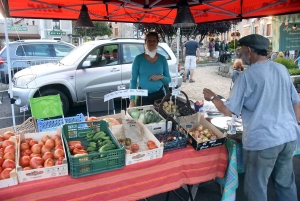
x=205, y=77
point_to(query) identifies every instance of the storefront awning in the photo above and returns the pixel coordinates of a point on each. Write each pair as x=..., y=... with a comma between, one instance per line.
x=21, y=36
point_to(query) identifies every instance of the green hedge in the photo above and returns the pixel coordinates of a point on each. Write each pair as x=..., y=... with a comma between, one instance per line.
x=294, y=71
x=289, y=64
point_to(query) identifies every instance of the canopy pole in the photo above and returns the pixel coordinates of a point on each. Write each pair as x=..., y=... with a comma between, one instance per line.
x=178, y=41
x=12, y=101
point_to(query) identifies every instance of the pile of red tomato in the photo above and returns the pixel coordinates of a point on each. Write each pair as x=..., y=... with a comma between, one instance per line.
x=45, y=153
x=7, y=155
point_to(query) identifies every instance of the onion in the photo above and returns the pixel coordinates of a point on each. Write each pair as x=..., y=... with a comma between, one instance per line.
x=9, y=148
x=58, y=153
x=45, y=138
x=48, y=155
x=8, y=134
x=9, y=155
x=50, y=143
x=36, y=148
x=24, y=146
x=58, y=142
x=54, y=137
x=45, y=149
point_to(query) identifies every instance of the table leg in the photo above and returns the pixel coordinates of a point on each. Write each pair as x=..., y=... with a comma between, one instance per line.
x=192, y=191
x=168, y=194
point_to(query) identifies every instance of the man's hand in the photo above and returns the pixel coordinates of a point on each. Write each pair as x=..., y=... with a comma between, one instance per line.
x=198, y=59
x=156, y=77
x=132, y=104
x=207, y=94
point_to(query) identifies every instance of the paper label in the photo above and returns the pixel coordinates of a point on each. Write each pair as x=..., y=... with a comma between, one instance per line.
x=172, y=84
x=175, y=92
x=121, y=87
x=24, y=108
x=126, y=92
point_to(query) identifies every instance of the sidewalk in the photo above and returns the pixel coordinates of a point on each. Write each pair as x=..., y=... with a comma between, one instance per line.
x=206, y=77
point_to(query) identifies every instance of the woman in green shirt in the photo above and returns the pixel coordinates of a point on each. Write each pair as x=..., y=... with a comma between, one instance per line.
x=150, y=71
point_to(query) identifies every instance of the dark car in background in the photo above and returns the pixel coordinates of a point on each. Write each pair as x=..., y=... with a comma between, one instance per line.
x=25, y=53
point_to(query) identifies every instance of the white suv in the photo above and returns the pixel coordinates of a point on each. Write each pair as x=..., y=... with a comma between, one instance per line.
x=99, y=66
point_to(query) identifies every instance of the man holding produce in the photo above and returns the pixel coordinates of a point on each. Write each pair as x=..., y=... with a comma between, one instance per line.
x=270, y=124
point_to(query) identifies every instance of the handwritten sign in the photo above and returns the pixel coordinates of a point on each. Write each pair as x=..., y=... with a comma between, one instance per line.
x=126, y=92
x=172, y=84
x=175, y=92
x=24, y=108
x=289, y=38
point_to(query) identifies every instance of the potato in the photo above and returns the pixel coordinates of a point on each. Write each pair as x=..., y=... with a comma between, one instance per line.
x=166, y=104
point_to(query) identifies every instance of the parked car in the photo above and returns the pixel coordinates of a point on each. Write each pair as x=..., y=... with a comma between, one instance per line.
x=100, y=66
x=25, y=53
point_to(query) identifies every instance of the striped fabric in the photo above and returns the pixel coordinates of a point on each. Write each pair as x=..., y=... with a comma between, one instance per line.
x=141, y=180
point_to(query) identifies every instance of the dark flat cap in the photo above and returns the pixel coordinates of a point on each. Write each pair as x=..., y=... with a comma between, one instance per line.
x=255, y=41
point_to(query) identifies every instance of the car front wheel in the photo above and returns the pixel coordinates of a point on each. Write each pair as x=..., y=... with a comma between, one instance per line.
x=63, y=98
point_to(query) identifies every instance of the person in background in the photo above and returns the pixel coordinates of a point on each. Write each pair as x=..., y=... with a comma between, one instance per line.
x=107, y=57
x=222, y=47
x=217, y=49
x=286, y=54
x=115, y=55
x=269, y=141
x=150, y=71
x=226, y=46
x=273, y=56
x=292, y=54
x=280, y=55
x=297, y=61
x=211, y=47
x=237, y=70
x=190, y=51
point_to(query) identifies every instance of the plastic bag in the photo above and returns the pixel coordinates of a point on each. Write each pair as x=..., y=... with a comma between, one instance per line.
x=132, y=130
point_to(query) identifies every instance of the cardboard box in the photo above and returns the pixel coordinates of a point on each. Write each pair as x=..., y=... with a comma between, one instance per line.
x=200, y=120
x=143, y=155
x=41, y=173
x=13, y=180
x=153, y=127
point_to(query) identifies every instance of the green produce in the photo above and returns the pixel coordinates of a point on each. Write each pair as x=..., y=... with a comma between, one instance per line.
x=142, y=117
x=135, y=113
x=127, y=141
x=92, y=144
x=151, y=117
x=91, y=149
x=105, y=137
x=107, y=147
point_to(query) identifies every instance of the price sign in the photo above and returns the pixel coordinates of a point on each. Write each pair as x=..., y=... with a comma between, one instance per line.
x=125, y=93
x=189, y=126
x=121, y=87
x=24, y=108
x=172, y=84
x=175, y=92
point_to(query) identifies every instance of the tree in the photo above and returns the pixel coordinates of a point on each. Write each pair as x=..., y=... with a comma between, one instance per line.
x=213, y=28
x=101, y=29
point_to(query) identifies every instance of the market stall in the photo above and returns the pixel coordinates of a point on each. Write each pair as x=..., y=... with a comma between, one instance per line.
x=133, y=182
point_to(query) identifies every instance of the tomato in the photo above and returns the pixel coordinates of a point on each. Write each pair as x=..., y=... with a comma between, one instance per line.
x=150, y=142
x=8, y=164
x=7, y=143
x=61, y=158
x=50, y=143
x=74, y=143
x=9, y=155
x=10, y=148
x=152, y=147
x=127, y=141
x=41, y=143
x=24, y=161
x=48, y=155
x=79, y=146
x=32, y=142
x=58, y=142
x=8, y=134
x=58, y=153
x=26, y=140
x=27, y=152
x=58, y=147
x=78, y=151
x=1, y=170
x=35, y=162
x=1, y=161
x=45, y=149
x=1, y=138
x=24, y=146
x=58, y=162
x=45, y=138
x=49, y=162
x=35, y=155
x=26, y=168
x=54, y=137
x=5, y=173
x=36, y=148
x=135, y=148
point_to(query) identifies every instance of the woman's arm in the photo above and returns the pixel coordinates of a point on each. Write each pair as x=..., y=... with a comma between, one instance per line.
x=134, y=75
x=166, y=73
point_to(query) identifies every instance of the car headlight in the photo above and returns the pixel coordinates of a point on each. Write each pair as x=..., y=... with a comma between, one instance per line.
x=24, y=80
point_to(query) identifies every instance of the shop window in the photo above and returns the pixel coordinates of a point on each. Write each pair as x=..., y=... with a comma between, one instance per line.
x=55, y=24
x=268, y=30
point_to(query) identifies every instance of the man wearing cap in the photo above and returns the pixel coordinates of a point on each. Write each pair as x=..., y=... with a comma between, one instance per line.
x=269, y=104
x=189, y=55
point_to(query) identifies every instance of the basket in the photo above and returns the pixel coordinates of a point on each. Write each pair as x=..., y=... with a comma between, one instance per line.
x=158, y=105
x=52, y=124
x=181, y=139
x=28, y=126
x=90, y=164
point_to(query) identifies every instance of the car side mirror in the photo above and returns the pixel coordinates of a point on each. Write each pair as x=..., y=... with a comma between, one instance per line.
x=86, y=64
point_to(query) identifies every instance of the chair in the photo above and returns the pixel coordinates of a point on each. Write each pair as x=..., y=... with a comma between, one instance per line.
x=46, y=107
x=95, y=103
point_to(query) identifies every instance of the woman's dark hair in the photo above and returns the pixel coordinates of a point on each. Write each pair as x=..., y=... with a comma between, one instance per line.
x=260, y=52
x=152, y=33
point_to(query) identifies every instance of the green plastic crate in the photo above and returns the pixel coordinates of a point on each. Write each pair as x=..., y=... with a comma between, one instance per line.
x=87, y=164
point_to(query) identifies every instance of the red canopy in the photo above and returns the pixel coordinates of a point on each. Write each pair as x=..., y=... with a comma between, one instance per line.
x=147, y=11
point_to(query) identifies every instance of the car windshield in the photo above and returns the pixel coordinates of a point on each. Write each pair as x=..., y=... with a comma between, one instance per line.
x=76, y=54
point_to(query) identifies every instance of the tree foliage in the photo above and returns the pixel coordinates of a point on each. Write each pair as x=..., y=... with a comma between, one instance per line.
x=101, y=29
